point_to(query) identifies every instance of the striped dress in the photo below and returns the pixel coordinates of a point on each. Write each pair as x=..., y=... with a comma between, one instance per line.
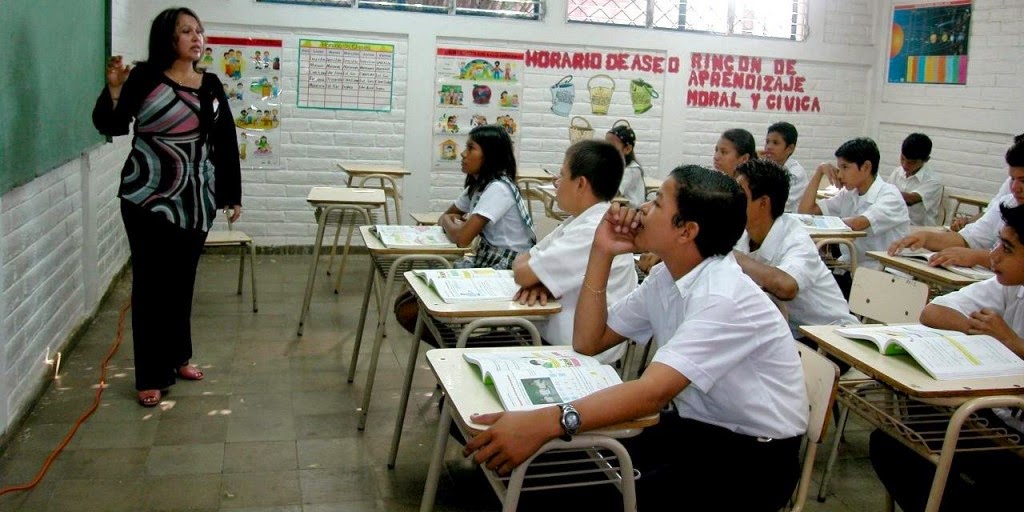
x=184, y=159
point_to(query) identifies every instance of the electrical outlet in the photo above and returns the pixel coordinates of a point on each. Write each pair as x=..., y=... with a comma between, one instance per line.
x=54, y=362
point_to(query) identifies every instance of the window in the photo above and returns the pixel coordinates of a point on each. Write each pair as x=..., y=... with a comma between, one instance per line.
x=783, y=19
x=524, y=9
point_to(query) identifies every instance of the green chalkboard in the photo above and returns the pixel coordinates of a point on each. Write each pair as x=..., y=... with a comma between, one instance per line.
x=52, y=54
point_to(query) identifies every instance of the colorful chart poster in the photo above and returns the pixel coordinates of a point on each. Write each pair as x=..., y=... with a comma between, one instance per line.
x=345, y=75
x=929, y=42
x=251, y=72
x=474, y=87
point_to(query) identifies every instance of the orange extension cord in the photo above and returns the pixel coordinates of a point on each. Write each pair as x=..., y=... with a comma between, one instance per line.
x=95, y=404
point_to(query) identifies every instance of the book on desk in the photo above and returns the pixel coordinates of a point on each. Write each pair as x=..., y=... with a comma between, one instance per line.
x=532, y=380
x=470, y=284
x=821, y=222
x=977, y=272
x=412, y=237
x=945, y=355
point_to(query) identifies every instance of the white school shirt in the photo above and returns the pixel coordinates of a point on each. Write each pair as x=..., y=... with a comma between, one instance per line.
x=718, y=329
x=790, y=249
x=505, y=228
x=560, y=260
x=984, y=232
x=885, y=210
x=1006, y=301
x=925, y=184
x=1003, y=190
x=798, y=182
x=632, y=186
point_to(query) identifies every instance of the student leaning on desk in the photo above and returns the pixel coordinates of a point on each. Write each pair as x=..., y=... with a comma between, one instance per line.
x=586, y=184
x=970, y=246
x=959, y=223
x=726, y=360
x=981, y=480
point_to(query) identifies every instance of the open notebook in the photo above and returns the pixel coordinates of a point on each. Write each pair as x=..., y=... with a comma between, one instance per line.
x=976, y=272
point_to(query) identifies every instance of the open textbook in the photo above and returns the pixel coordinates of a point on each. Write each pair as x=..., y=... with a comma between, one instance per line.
x=531, y=380
x=412, y=237
x=977, y=272
x=820, y=222
x=945, y=355
x=470, y=284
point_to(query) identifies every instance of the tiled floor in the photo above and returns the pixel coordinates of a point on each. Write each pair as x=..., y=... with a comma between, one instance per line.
x=273, y=425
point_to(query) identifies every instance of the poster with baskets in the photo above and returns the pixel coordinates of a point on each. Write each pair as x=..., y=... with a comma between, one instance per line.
x=474, y=87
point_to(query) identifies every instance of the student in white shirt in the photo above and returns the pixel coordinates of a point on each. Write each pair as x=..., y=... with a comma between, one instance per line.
x=490, y=207
x=778, y=254
x=779, y=145
x=983, y=480
x=971, y=245
x=554, y=267
x=960, y=222
x=734, y=147
x=726, y=360
x=632, y=187
x=921, y=189
x=865, y=202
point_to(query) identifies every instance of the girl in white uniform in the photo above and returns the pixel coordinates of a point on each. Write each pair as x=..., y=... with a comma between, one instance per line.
x=632, y=186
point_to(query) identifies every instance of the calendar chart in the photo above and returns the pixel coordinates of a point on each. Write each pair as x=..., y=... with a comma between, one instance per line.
x=345, y=75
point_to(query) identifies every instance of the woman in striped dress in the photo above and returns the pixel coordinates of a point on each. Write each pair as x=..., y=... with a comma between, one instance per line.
x=182, y=167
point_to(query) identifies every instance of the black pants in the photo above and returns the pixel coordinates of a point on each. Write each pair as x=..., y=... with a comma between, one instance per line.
x=681, y=461
x=977, y=480
x=164, y=262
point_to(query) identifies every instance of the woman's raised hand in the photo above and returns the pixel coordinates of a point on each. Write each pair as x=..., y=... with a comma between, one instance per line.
x=117, y=72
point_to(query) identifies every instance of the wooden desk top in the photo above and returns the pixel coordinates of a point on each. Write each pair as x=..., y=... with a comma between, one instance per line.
x=534, y=173
x=375, y=246
x=480, y=309
x=469, y=395
x=216, y=238
x=818, y=234
x=980, y=202
x=921, y=270
x=903, y=373
x=361, y=169
x=426, y=219
x=333, y=196
x=651, y=183
x=933, y=229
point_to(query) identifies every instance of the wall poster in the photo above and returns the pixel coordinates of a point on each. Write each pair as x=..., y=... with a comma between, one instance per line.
x=474, y=87
x=345, y=75
x=250, y=70
x=929, y=42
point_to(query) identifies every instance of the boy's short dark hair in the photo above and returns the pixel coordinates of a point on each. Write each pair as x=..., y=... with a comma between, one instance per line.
x=917, y=146
x=860, y=150
x=767, y=178
x=715, y=202
x=1014, y=218
x=787, y=130
x=1015, y=155
x=600, y=162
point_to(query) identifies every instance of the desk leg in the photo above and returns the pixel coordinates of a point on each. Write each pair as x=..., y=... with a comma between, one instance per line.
x=437, y=459
x=362, y=322
x=348, y=243
x=946, y=455
x=378, y=340
x=410, y=369
x=321, y=223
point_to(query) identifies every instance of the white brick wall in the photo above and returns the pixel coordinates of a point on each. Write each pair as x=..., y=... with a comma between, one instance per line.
x=849, y=22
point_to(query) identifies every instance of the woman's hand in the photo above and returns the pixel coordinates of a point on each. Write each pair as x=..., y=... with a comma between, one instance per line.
x=233, y=212
x=117, y=73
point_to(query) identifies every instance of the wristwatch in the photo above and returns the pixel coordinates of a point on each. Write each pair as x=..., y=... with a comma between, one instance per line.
x=570, y=421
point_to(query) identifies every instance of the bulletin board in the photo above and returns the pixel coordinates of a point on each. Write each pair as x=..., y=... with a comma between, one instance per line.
x=54, y=62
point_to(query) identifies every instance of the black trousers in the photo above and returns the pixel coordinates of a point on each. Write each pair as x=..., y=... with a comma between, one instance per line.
x=164, y=262
x=986, y=480
x=682, y=462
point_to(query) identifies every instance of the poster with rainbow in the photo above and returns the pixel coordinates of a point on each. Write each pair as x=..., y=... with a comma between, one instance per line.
x=929, y=42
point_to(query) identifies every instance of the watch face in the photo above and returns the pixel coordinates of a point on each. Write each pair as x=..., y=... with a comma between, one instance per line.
x=572, y=421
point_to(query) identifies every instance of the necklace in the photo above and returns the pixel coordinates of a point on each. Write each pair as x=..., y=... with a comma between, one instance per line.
x=186, y=82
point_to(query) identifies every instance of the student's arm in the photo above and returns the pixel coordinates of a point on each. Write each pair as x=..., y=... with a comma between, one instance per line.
x=771, y=279
x=808, y=203
x=858, y=223
x=931, y=240
x=523, y=274
x=984, y=321
x=515, y=436
x=961, y=256
x=614, y=236
x=911, y=198
x=462, y=232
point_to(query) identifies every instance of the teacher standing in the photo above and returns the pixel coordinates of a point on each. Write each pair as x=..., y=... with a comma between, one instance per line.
x=183, y=166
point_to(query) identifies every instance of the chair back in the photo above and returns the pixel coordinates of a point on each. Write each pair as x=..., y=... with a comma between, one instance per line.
x=821, y=377
x=881, y=297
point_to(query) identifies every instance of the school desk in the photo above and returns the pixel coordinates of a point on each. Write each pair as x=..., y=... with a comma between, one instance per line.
x=389, y=180
x=535, y=177
x=936, y=277
x=978, y=202
x=426, y=219
x=907, y=397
